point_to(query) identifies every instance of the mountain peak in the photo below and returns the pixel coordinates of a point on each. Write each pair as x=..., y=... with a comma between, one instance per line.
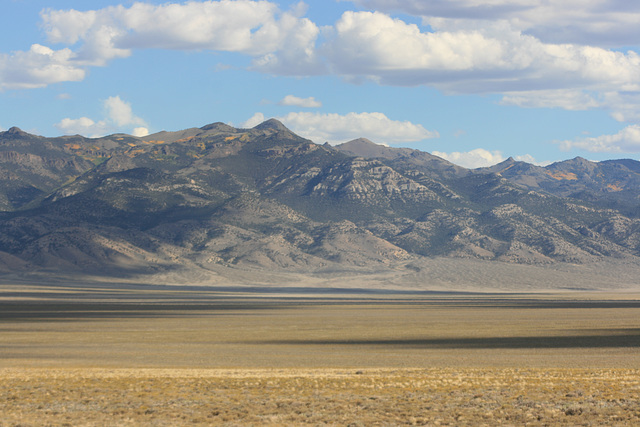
x=578, y=161
x=272, y=124
x=364, y=147
x=510, y=161
x=16, y=131
x=218, y=126
x=360, y=141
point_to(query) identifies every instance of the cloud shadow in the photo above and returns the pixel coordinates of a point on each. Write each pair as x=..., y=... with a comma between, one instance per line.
x=602, y=339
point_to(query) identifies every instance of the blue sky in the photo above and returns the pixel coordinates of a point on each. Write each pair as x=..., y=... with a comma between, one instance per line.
x=474, y=81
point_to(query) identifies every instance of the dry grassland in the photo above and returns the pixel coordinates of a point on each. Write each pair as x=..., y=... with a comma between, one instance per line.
x=198, y=358
x=320, y=397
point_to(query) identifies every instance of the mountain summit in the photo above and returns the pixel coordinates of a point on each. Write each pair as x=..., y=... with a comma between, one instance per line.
x=272, y=124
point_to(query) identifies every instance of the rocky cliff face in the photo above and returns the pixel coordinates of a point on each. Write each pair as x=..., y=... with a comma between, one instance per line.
x=266, y=199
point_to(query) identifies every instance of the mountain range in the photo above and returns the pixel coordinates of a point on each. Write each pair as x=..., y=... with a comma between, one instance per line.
x=228, y=204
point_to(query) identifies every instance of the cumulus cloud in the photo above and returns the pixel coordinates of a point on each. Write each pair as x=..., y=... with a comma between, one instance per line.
x=336, y=128
x=255, y=120
x=375, y=43
x=295, y=53
x=592, y=22
x=625, y=141
x=528, y=158
x=238, y=26
x=115, y=30
x=280, y=42
x=536, y=53
x=120, y=112
x=480, y=158
x=140, y=132
x=83, y=126
x=492, y=59
x=294, y=101
x=477, y=158
x=256, y=28
x=119, y=116
x=38, y=67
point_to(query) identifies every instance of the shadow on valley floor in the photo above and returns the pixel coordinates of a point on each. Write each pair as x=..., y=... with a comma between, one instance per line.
x=78, y=306
x=614, y=338
x=10, y=311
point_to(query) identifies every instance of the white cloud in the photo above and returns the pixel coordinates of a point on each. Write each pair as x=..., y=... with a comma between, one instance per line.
x=278, y=40
x=140, y=132
x=83, y=126
x=491, y=59
x=480, y=158
x=535, y=52
x=38, y=67
x=477, y=158
x=120, y=112
x=540, y=53
x=625, y=141
x=222, y=25
x=296, y=53
x=255, y=120
x=593, y=22
x=528, y=158
x=94, y=28
x=119, y=117
x=624, y=106
x=336, y=128
x=372, y=43
x=568, y=99
x=294, y=101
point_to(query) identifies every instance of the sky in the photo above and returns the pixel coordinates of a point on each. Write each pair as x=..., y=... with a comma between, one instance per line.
x=472, y=81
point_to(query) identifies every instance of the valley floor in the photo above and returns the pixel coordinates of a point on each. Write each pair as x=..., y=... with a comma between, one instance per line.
x=153, y=355
x=319, y=397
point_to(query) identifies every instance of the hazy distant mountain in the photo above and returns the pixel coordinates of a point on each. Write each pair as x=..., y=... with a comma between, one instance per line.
x=612, y=183
x=265, y=199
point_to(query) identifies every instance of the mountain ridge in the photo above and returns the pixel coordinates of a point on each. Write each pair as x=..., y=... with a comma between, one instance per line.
x=218, y=199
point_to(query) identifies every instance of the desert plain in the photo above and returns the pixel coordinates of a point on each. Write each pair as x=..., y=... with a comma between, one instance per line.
x=100, y=354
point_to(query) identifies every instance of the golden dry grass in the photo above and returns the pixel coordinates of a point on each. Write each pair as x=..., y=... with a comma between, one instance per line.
x=320, y=397
x=138, y=358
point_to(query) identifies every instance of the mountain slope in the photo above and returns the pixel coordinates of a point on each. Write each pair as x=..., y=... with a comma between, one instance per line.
x=31, y=166
x=213, y=199
x=612, y=183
